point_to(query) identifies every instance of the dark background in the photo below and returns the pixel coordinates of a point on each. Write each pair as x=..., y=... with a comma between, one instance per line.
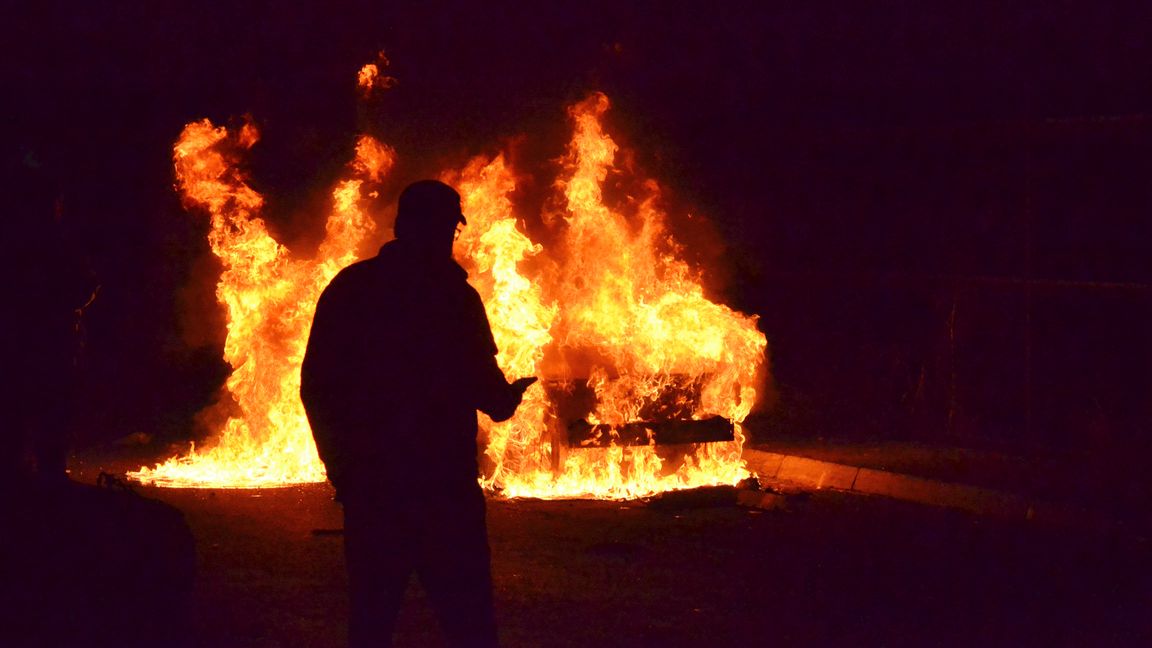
x=939, y=210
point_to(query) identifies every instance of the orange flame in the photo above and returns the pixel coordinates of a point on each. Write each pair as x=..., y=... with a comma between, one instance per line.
x=269, y=298
x=612, y=305
x=640, y=315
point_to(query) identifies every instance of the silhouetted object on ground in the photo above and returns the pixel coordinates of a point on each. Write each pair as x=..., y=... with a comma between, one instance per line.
x=88, y=566
x=399, y=359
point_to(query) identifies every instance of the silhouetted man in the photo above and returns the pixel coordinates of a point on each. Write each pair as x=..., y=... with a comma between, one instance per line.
x=399, y=359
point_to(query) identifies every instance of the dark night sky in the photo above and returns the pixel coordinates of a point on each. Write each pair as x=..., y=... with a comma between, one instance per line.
x=819, y=136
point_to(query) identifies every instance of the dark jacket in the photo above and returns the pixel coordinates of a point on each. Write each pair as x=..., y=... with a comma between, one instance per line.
x=399, y=358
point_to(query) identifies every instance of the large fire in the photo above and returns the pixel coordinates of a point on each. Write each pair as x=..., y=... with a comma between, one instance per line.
x=610, y=310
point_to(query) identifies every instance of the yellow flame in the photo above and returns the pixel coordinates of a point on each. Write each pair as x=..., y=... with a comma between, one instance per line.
x=269, y=298
x=493, y=246
x=612, y=306
x=638, y=311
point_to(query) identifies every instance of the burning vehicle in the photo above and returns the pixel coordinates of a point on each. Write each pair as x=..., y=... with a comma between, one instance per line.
x=645, y=381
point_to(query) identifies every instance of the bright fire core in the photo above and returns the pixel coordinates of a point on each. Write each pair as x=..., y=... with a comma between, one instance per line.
x=609, y=307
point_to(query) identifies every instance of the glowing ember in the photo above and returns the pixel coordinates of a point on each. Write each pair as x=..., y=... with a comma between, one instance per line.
x=611, y=308
x=370, y=79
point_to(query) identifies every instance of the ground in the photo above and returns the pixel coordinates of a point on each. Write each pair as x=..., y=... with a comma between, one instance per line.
x=835, y=569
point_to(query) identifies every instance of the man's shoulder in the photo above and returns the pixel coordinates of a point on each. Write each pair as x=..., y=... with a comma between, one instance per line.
x=360, y=273
x=392, y=269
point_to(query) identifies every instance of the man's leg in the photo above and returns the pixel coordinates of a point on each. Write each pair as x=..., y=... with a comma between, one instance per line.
x=377, y=552
x=455, y=569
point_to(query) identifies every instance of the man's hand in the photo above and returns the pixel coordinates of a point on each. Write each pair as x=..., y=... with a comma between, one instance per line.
x=515, y=394
x=523, y=384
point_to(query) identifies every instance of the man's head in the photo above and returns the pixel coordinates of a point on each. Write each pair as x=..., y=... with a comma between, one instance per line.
x=428, y=215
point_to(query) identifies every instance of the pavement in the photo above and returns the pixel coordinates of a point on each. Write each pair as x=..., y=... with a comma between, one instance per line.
x=829, y=569
x=1099, y=488
x=1092, y=490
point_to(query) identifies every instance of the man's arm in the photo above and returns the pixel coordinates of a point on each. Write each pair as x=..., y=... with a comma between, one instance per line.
x=502, y=399
x=493, y=394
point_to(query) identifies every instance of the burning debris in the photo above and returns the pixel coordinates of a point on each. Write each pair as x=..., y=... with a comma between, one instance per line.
x=631, y=352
